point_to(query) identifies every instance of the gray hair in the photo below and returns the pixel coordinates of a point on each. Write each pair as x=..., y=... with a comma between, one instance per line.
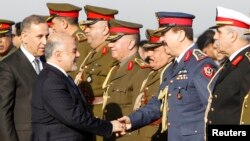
x=32, y=19
x=55, y=41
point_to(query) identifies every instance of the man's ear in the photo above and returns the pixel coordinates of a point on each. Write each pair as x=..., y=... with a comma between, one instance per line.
x=181, y=35
x=131, y=44
x=24, y=37
x=58, y=55
x=233, y=36
x=64, y=24
x=106, y=30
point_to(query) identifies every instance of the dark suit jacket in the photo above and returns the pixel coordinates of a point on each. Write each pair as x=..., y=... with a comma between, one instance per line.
x=230, y=89
x=17, y=77
x=59, y=111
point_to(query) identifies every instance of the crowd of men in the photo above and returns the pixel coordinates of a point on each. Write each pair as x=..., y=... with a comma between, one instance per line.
x=96, y=80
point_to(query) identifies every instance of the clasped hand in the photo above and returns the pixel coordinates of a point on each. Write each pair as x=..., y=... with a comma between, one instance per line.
x=121, y=126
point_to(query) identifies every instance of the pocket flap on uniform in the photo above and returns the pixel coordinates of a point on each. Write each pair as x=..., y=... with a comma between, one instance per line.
x=191, y=131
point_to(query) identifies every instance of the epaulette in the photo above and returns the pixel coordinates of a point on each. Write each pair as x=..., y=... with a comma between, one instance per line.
x=247, y=54
x=141, y=63
x=80, y=36
x=199, y=55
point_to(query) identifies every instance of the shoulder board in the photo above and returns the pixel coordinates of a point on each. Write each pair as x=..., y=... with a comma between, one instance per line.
x=199, y=55
x=80, y=36
x=141, y=63
x=247, y=54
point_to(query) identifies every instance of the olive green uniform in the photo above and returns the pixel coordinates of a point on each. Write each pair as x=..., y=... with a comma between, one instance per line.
x=96, y=68
x=151, y=132
x=245, y=112
x=122, y=89
x=13, y=49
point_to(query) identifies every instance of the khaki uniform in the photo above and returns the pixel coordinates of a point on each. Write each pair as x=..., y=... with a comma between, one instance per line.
x=82, y=46
x=150, y=88
x=245, y=112
x=13, y=49
x=122, y=89
x=96, y=68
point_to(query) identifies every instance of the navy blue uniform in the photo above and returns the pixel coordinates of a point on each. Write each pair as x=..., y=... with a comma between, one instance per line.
x=187, y=97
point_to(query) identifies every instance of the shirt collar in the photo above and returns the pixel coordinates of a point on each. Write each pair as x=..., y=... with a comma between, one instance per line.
x=178, y=59
x=237, y=52
x=54, y=65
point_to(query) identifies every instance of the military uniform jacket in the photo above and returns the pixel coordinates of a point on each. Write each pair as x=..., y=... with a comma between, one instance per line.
x=124, y=87
x=17, y=77
x=150, y=90
x=82, y=46
x=95, y=71
x=231, y=87
x=187, y=97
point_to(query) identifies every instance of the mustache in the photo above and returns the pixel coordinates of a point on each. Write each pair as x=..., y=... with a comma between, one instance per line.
x=147, y=59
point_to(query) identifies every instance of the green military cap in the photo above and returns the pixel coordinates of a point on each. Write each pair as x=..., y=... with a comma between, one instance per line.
x=95, y=14
x=5, y=26
x=153, y=38
x=63, y=10
x=118, y=28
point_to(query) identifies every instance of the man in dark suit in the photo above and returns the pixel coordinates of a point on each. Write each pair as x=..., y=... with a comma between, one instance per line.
x=59, y=110
x=17, y=75
x=232, y=82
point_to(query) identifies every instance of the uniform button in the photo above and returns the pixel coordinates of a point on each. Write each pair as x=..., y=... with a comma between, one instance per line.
x=146, y=88
x=117, y=90
x=242, y=122
x=169, y=94
x=195, y=131
x=168, y=109
x=245, y=105
x=171, y=81
x=212, y=109
x=169, y=124
x=92, y=69
x=215, y=96
x=210, y=122
x=85, y=67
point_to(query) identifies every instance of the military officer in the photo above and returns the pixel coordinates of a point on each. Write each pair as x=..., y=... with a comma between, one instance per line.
x=95, y=67
x=232, y=82
x=123, y=82
x=64, y=18
x=184, y=85
x=6, y=45
x=158, y=61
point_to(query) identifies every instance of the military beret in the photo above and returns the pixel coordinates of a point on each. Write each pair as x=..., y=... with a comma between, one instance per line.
x=63, y=10
x=225, y=16
x=153, y=39
x=119, y=28
x=95, y=14
x=167, y=20
x=5, y=26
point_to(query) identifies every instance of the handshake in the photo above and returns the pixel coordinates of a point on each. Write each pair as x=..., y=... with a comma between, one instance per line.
x=121, y=126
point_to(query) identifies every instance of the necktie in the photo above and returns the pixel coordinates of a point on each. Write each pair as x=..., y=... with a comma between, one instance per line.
x=37, y=66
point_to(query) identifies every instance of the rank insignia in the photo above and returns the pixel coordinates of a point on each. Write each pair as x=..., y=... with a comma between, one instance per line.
x=130, y=65
x=104, y=51
x=208, y=71
x=199, y=55
x=248, y=55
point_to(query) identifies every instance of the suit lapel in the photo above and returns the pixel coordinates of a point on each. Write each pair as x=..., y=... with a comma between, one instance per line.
x=26, y=63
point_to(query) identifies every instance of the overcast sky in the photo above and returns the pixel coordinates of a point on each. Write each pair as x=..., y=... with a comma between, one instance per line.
x=138, y=11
